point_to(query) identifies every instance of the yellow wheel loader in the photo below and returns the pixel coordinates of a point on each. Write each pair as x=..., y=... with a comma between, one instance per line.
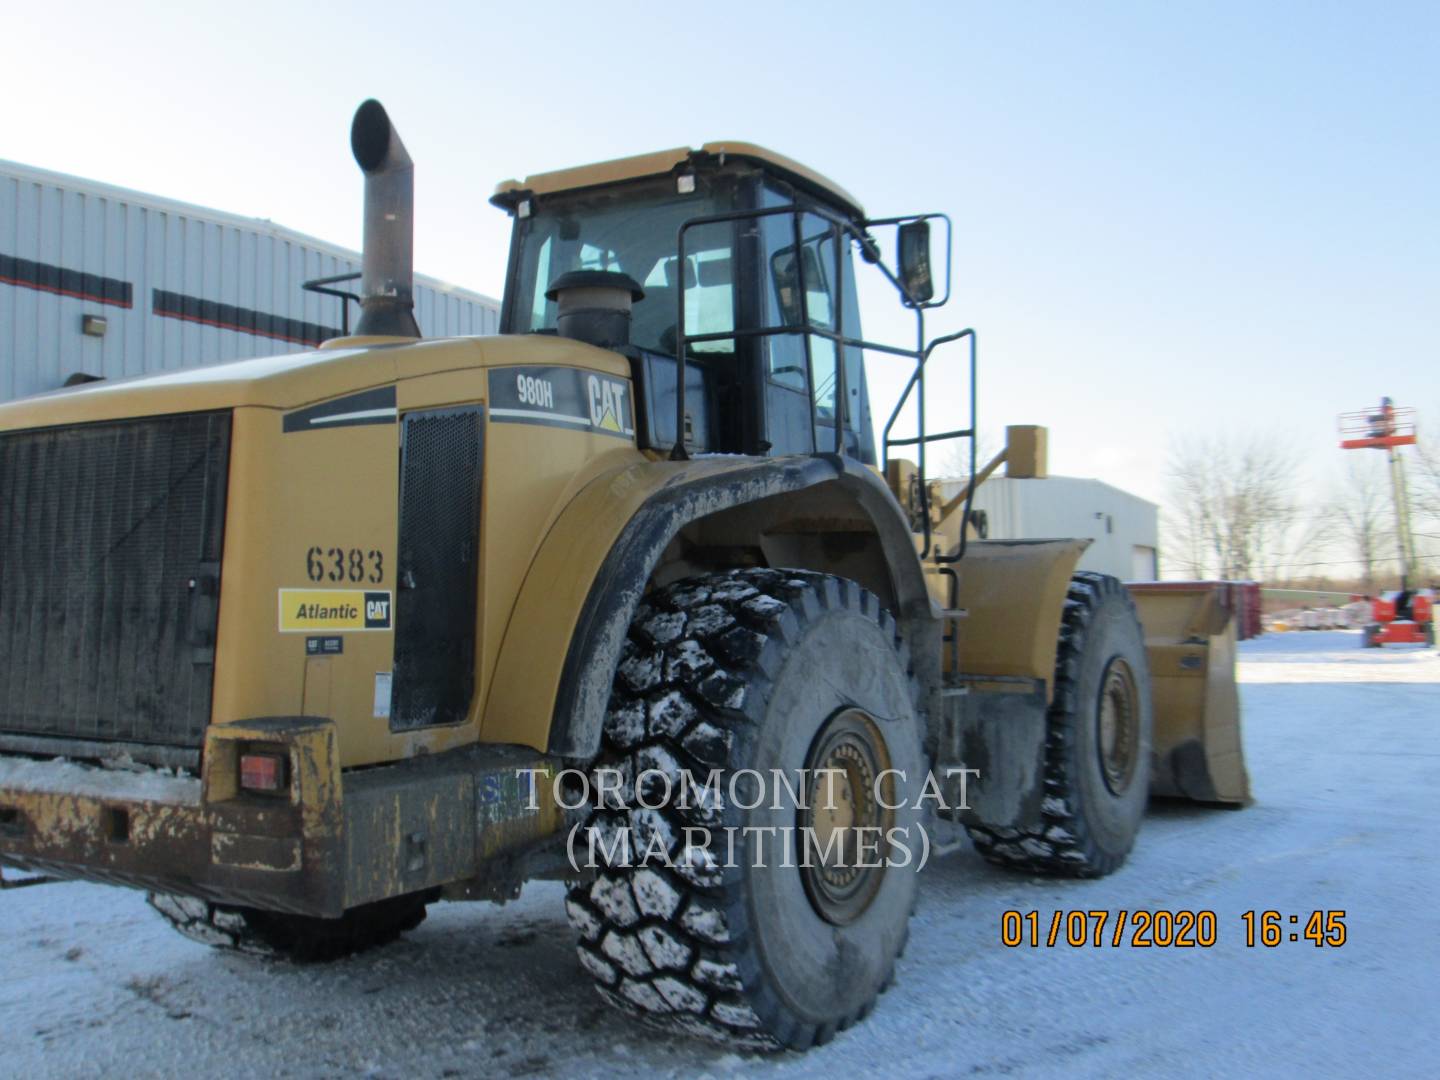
x=301, y=645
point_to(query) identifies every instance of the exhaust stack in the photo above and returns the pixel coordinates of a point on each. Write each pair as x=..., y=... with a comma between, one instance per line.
x=387, y=304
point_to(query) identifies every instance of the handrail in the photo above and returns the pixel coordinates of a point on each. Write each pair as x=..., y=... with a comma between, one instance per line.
x=921, y=439
x=318, y=285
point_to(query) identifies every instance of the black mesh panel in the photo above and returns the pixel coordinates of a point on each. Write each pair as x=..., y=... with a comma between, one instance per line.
x=110, y=539
x=439, y=555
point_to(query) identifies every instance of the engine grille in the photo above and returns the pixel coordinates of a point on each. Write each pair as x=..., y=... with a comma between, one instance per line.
x=439, y=556
x=110, y=546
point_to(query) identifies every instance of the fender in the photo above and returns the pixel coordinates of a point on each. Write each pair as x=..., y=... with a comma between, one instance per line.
x=1014, y=594
x=570, y=621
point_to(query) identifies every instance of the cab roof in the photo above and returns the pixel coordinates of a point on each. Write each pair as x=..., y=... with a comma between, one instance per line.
x=509, y=192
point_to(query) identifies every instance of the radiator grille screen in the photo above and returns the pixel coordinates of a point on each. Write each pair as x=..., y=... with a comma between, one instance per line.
x=110, y=537
x=439, y=554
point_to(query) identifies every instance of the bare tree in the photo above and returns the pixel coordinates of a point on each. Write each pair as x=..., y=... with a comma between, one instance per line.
x=1298, y=546
x=1231, y=510
x=1427, y=477
x=1187, y=518
x=1363, y=510
x=1424, y=473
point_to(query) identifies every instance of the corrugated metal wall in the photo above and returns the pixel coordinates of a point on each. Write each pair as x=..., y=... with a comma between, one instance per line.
x=178, y=286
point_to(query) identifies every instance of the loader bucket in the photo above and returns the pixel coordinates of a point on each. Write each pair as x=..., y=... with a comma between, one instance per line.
x=1190, y=644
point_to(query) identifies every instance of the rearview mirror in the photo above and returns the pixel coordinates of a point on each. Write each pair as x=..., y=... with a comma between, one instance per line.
x=915, y=261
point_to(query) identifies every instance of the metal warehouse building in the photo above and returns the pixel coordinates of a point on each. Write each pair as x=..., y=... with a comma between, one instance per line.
x=1123, y=528
x=100, y=281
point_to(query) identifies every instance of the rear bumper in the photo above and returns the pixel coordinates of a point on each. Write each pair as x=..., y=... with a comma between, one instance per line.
x=332, y=842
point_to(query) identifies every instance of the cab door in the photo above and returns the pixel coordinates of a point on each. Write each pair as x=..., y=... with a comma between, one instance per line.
x=800, y=293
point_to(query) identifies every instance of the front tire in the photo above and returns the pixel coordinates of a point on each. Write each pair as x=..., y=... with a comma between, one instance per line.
x=1097, y=743
x=754, y=670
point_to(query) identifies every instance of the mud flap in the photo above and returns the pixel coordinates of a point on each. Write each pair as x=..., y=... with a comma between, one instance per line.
x=1190, y=644
x=994, y=764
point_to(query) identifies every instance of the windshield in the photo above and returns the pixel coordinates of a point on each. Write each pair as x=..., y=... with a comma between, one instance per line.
x=634, y=231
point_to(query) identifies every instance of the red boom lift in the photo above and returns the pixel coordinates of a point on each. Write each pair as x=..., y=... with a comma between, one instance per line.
x=1406, y=616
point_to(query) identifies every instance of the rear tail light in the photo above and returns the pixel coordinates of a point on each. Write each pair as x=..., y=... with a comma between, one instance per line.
x=262, y=772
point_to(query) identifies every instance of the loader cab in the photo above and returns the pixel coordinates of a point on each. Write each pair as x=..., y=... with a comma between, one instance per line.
x=740, y=252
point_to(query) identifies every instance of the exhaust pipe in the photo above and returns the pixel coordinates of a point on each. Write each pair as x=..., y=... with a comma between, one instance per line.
x=387, y=303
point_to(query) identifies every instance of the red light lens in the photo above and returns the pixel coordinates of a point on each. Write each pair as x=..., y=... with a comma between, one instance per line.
x=262, y=772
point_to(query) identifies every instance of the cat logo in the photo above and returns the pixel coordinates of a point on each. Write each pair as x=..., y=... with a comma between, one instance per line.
x=377, y=611
x=607, y=404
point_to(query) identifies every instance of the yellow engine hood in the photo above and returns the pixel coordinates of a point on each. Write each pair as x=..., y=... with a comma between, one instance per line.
x=343, y=366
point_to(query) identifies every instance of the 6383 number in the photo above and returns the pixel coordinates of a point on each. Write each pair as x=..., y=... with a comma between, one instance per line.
x=345, y=564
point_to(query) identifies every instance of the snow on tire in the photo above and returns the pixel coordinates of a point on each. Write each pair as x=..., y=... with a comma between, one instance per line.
x=301, y=939
x=742, y=670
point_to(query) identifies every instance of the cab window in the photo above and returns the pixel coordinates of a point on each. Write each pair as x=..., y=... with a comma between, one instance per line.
x=635, y=235
x=709, y=289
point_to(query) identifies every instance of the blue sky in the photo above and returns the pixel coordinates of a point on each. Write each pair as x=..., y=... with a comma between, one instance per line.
x=1171, y=219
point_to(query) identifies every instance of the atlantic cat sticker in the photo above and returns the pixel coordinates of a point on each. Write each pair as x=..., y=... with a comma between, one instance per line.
x=562, y=397
x=310, y=611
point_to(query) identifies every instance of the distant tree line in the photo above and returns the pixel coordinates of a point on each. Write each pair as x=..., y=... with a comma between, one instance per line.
x=1233, y=511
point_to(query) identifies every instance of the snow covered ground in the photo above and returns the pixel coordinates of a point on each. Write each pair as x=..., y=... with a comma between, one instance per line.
x=1343, y=747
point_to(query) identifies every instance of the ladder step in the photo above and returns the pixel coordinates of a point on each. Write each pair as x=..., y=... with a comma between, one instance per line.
x=954, y=691
x=954, y=613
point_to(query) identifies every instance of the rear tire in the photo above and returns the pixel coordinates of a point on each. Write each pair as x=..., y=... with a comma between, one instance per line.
x=1097, y=749
x=300, y=939
x=762, y=670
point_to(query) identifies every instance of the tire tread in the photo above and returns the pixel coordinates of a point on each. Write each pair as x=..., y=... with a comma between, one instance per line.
x=745, y=620
x=299, y=939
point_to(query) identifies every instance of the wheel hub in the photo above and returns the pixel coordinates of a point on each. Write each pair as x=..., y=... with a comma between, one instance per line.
x=1118, y=741
x=843, y=826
